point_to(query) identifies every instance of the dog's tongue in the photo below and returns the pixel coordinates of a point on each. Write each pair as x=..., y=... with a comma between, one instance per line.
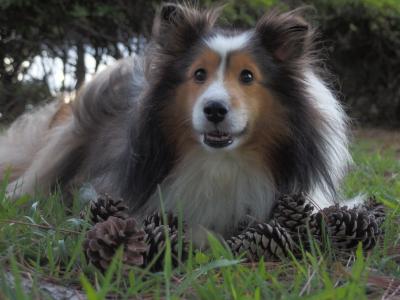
x=217, y=139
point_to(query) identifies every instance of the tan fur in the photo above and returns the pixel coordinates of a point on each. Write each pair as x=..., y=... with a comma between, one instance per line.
x=178, y=114
x=62, y=115
x=267, y=117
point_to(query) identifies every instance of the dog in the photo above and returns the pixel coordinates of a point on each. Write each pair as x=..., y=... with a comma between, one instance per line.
x=211, y=121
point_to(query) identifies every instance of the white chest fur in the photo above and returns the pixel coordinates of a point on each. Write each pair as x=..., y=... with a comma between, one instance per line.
x=217, y=190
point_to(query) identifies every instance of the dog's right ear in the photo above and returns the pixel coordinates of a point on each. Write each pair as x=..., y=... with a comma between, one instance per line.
x=288, y=37
x=177, y=27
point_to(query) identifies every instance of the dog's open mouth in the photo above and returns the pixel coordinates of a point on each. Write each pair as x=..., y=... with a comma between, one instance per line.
x=218, y=139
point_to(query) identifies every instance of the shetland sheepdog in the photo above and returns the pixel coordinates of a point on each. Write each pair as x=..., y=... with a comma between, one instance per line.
x=216, y=122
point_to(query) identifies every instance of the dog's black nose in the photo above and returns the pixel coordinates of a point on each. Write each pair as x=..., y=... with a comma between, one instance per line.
x=215, y=111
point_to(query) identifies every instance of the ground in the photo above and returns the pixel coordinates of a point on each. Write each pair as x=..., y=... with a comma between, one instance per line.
x=40, y=248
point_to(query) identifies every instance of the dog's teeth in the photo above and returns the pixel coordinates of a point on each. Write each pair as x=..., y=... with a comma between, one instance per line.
x=214, y=138
x=217, y=139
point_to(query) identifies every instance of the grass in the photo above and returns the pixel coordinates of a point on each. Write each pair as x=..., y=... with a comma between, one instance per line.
x=40, y=240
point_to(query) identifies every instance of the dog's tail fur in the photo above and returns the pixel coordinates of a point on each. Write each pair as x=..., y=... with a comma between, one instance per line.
x=23, y=139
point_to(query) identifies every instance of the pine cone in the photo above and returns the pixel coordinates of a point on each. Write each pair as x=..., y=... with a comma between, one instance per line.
x=244, y=224
x=156, y=219
x=106, y=237
x=105, y=207
x=375, y=208
x=293, y=212
x=347, y=227
x=155, y=238
x=262, y=240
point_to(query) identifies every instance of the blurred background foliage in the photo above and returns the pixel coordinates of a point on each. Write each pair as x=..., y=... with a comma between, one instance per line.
x=50, y=47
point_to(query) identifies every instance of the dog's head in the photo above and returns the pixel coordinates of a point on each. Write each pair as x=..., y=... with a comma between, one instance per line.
x=225, y=83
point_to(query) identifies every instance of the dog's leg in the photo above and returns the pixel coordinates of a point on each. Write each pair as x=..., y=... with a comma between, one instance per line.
x=49, y=163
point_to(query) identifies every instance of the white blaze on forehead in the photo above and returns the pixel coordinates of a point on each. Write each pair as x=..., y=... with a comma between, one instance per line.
x=223, y=45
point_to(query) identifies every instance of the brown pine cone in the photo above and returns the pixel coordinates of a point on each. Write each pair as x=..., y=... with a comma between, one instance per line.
x=293, y=212
x=156, y=219
x=378, y=210
x=270, y=241
x=104, y=207
x=103, y=240
x=347, y=227
x=156, y=233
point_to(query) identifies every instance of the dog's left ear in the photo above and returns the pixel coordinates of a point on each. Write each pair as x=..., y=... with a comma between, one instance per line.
x=286, y=36
x=177, y=27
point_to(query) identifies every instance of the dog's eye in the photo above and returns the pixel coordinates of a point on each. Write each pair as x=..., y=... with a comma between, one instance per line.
x=200, y=75
x=246, y=76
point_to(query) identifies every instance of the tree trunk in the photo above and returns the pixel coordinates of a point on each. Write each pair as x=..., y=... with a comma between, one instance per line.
x=117, y=53
x=65, y=62
x=97, y=57
x=80, y=68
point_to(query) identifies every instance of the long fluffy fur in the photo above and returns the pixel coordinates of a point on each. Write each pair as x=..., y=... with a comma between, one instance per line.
x=25, y=137
x=116, y=137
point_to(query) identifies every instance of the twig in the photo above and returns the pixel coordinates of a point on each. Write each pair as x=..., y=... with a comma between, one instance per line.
x=349, y=262
x=78, y=295
x=308, y=283
x=47, y=227
x=54, y=290
x=395, y=292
